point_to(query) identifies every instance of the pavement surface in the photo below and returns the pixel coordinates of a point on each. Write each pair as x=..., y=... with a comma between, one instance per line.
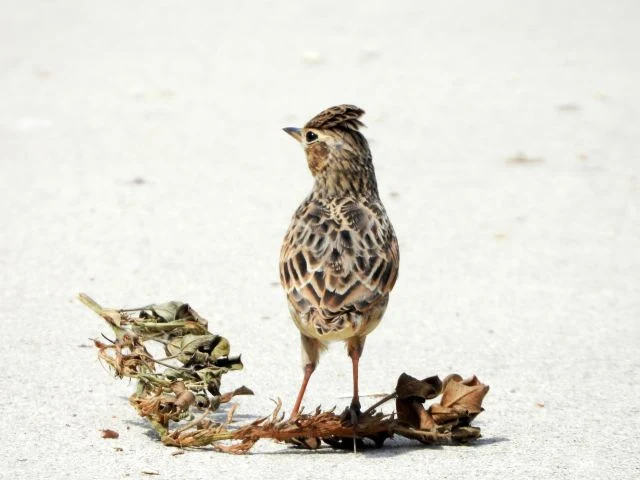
x=143, y=160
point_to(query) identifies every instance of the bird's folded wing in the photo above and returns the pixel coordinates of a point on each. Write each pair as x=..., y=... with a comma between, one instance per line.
x=338, y=265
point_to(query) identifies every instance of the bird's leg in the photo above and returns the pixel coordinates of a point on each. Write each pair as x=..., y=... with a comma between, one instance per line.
x=354, y=348
x=354, y=409
x=308, y=370
x=310, y=357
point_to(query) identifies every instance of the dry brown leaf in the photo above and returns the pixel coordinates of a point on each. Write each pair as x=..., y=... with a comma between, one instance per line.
x=426, y=389
x=464, y=396
x=411, y=394
x=443, y=415
x=106, y=433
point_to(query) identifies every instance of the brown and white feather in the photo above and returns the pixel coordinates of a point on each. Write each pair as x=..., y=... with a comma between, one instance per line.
x=340, y=257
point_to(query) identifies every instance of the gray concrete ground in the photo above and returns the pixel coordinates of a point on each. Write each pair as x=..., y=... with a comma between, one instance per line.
x=526, y=273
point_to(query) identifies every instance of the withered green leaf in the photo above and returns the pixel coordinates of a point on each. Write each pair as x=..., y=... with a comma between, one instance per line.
x=171, y=393
x=172, y=311
x=198, y=349
x=167, y=311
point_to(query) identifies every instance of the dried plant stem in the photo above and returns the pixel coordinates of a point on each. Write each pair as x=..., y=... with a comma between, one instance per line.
x=179, y=397
x=382, y=401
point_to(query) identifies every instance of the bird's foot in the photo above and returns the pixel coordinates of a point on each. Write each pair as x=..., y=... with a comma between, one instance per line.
x=352, y=414
x=355, y=412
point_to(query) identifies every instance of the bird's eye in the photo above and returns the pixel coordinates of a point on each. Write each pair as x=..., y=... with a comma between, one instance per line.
x=311, y=137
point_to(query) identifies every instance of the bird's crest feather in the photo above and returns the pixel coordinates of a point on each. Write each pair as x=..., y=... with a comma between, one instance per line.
x=343, y=116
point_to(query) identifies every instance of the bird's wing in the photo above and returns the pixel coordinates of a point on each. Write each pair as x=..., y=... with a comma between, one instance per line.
x=338, y=257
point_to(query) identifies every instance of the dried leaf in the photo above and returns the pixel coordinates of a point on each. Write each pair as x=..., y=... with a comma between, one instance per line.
x=107, y=433
x=112, y=316
x=443, y=415
x=464, y=396
x=184, y=398
x=411, y=394
x=168, y=311
x=172, y=311
x=238, y=391
x=426, y=389
x=179, y=397
x=198, y=349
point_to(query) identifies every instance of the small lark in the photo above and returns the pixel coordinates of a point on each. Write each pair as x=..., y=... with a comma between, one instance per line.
x=340, y=257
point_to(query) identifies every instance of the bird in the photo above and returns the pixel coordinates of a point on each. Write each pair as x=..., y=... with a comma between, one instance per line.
x=340, y=256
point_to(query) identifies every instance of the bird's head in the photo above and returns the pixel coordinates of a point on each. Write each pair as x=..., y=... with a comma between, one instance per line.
x=337, y=153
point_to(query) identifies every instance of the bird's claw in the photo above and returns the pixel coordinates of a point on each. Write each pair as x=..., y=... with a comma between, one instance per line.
x=354, y=413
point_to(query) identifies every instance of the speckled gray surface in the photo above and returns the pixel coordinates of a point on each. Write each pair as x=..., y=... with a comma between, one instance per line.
x=527, y=274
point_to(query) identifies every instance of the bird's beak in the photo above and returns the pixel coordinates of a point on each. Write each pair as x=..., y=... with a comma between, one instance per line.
x=294, y=132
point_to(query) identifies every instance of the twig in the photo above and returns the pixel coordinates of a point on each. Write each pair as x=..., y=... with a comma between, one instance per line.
x=371, y=409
